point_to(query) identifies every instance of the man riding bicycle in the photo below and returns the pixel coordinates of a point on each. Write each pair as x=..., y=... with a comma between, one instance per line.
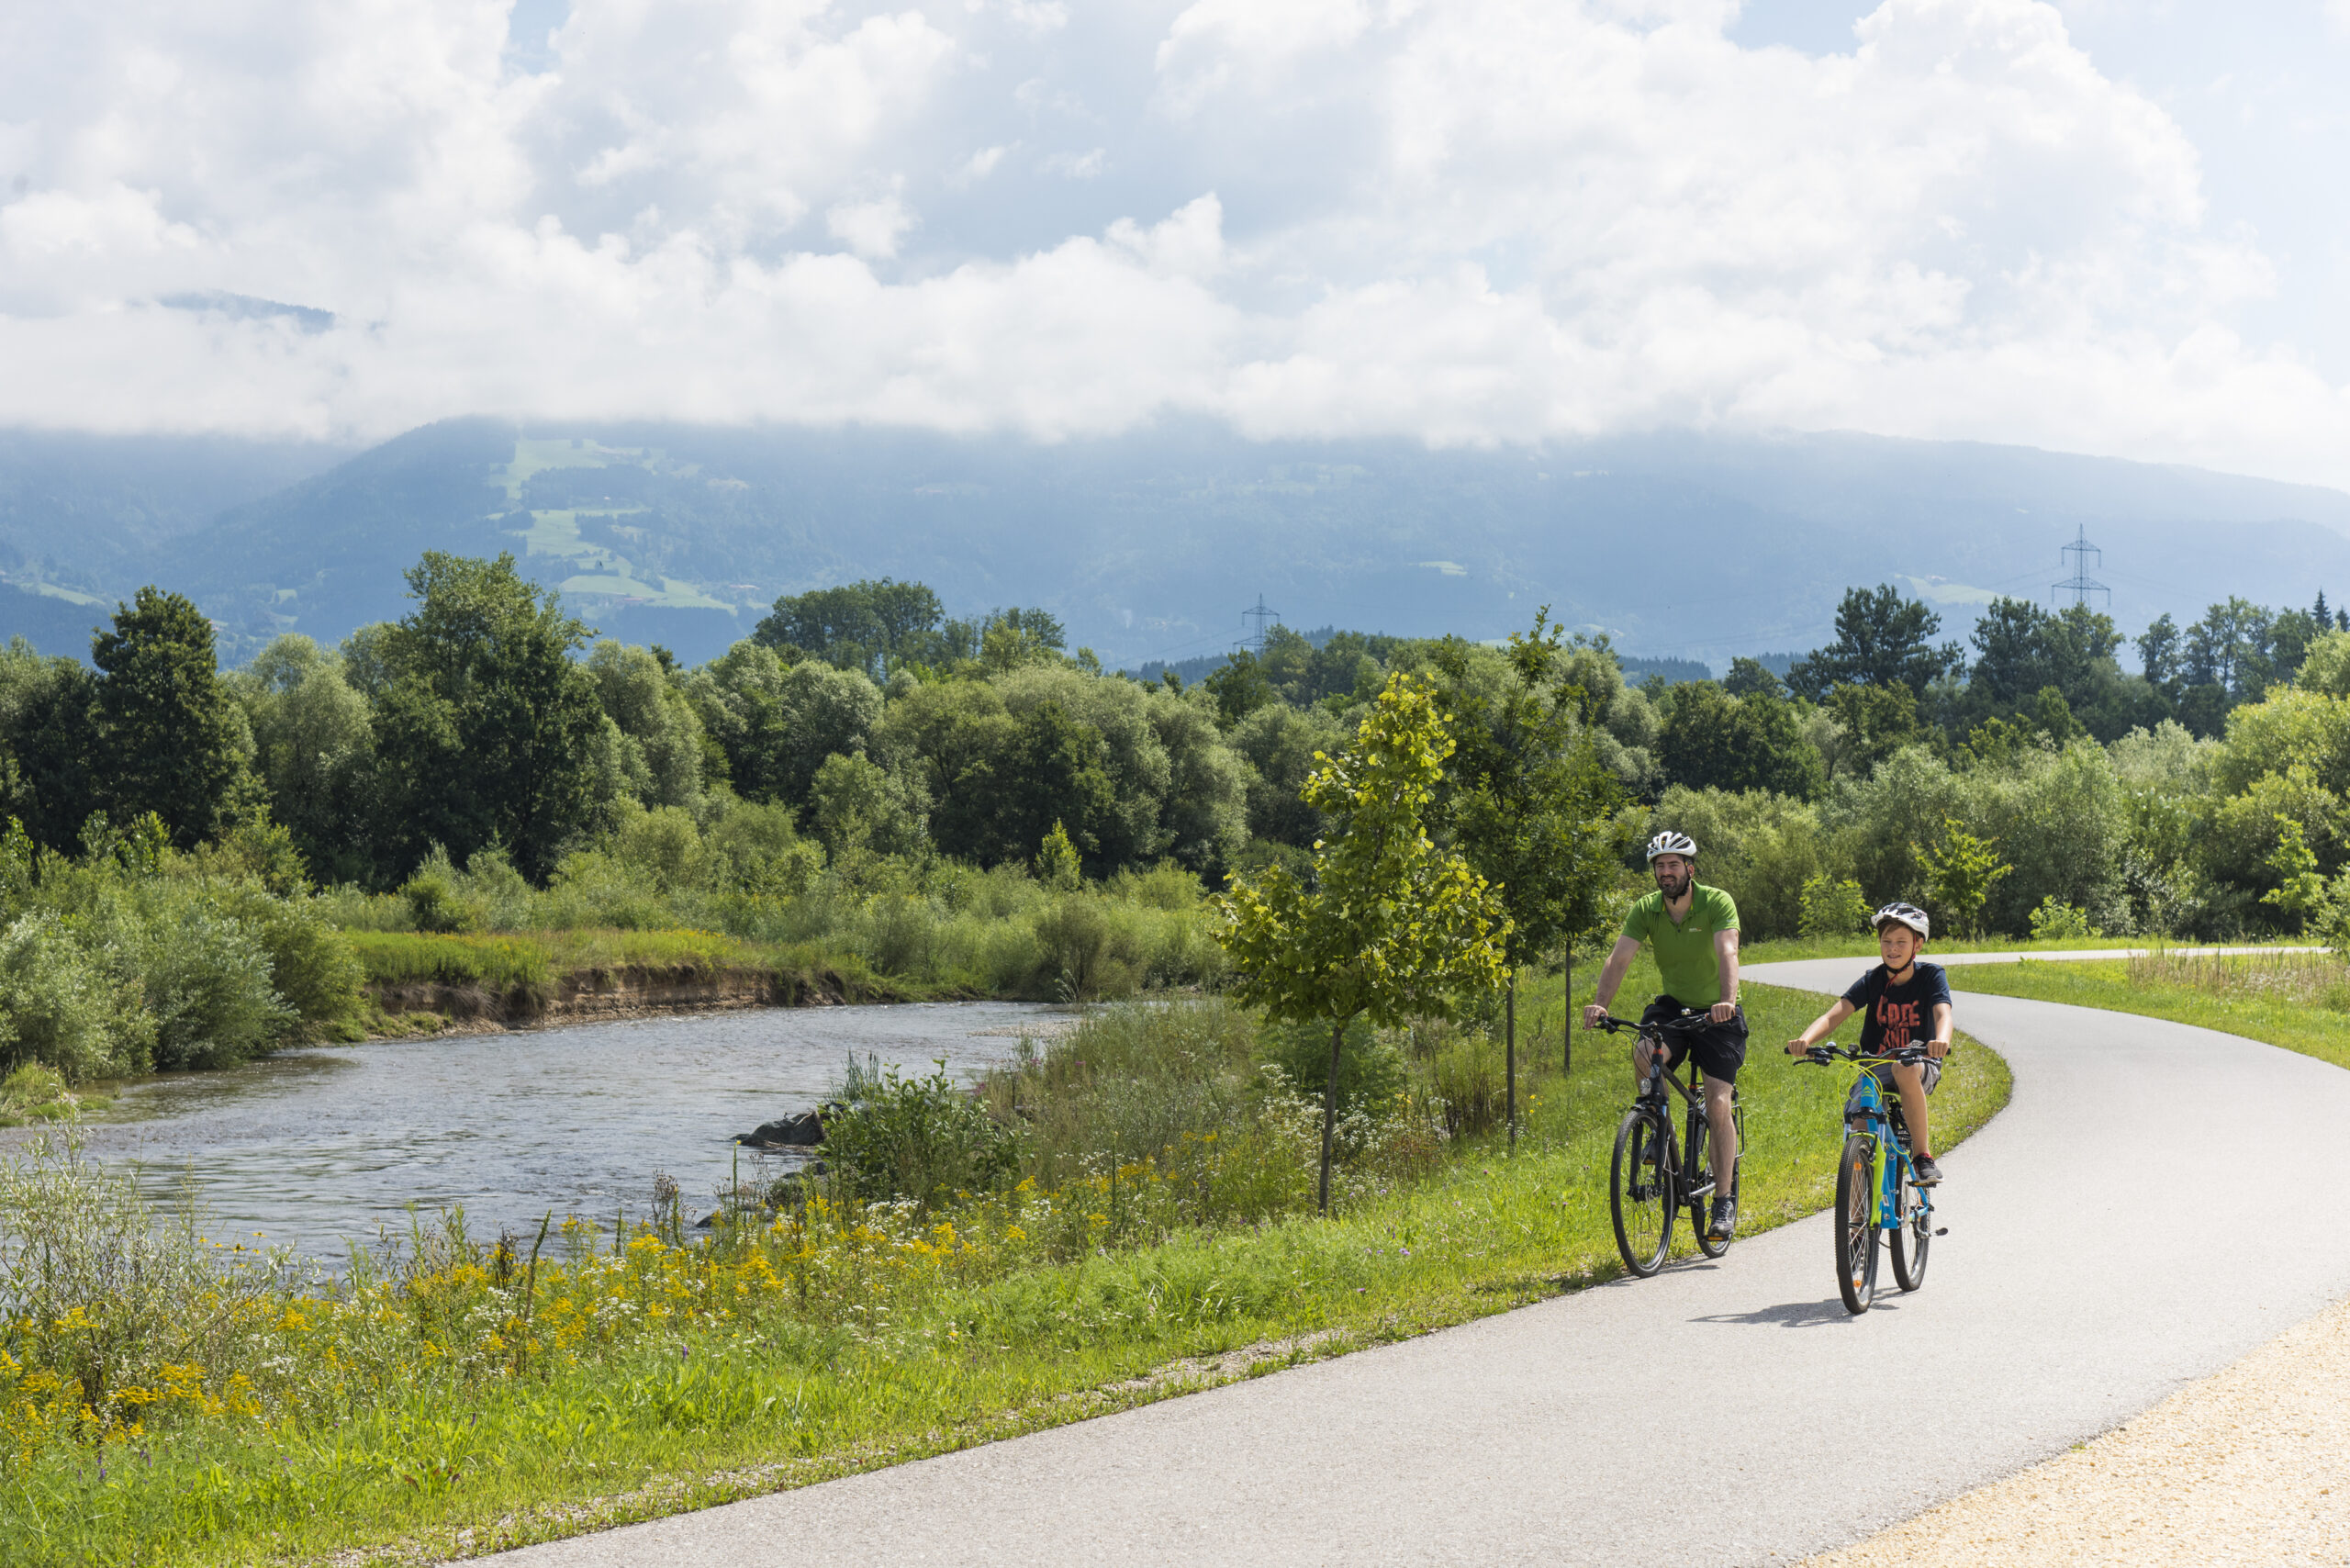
x=1899, y=1001
x=1691, y=929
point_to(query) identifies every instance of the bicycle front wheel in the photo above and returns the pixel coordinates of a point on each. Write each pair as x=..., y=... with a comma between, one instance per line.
x=1913, y=1236
x=1856, y=1223
x=1639, y=1191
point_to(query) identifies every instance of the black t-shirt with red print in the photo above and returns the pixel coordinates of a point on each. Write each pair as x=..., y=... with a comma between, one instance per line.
x=1893, y=1016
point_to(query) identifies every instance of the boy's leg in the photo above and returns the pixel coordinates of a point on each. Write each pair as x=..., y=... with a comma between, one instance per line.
x=1910, y=1081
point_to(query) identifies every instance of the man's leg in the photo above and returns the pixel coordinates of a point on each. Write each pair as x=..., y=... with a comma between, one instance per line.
x=1721, y=1129
x=1908, y=1077
x=1642, y=1054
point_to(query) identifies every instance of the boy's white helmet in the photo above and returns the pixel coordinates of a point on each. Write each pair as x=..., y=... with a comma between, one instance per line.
x=1670, y=843
x=1907, y=914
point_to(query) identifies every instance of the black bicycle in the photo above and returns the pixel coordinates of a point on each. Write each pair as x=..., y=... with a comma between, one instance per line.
x=1654, y=1175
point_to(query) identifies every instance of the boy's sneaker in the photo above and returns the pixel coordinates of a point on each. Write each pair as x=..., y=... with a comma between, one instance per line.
x=1929, y=1173
x=1725, y=1219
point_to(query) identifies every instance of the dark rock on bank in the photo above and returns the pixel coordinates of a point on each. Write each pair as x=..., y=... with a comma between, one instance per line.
x=804, y=1130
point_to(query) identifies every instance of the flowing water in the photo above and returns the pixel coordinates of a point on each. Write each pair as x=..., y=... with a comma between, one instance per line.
x=320, y=1146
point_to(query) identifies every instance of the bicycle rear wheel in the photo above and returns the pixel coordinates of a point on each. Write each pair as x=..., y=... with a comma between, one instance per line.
x=1640, y=1191
x=1856, y=1223
x=1912, y=1237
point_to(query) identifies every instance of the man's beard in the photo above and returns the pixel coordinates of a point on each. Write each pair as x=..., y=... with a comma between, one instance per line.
x=1673, y=888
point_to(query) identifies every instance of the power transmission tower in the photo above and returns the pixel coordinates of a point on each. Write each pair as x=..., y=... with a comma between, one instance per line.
x=1260, y=615
x=2080, y=584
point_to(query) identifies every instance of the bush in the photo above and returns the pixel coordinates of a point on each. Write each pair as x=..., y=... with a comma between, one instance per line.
x=208, y=987
x=60, y=1008
x=434, y=901
x=311, y=965
x=1832, y=908
x=921, y=1138
x=2055, y=921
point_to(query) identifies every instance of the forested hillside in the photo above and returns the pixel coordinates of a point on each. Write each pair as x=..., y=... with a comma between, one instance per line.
x=1149, y=546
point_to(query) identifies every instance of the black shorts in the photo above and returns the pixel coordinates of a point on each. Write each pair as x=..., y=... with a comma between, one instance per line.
x=1719, y=1050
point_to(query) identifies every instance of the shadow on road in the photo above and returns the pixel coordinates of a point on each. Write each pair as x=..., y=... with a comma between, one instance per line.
x=1794, y=1314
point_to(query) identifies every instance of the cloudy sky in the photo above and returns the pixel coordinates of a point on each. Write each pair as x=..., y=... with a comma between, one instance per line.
x=2106, y=226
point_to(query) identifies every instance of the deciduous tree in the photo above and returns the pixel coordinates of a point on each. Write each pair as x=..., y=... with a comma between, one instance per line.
x=1394, y=927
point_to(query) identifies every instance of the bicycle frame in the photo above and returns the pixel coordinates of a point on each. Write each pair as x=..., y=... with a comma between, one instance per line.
x=1866, y=1113
x=1698, y=1123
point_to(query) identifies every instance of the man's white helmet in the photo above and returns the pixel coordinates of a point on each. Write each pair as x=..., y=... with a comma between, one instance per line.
x=1669, y=842
x=1907, y=914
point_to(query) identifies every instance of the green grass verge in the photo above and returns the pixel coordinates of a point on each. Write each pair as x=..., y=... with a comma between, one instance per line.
x=1787, y=949
x=2291, y=1022
x=471, y=1465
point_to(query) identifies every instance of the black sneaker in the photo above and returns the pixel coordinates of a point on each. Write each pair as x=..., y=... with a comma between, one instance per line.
x=1929, y=1173
x=1725, y=1219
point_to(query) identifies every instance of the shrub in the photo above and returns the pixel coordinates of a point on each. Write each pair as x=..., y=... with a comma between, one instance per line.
x=434, y=901
x=2055, y=921
x=208, y=987
x=312, y=966
x=919, y=1138
x=1833, y=908
x=61, y=1008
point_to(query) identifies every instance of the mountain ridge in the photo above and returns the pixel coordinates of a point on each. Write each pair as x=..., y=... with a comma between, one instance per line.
x=1148, y=545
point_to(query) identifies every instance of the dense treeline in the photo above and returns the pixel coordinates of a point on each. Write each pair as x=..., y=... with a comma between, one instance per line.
x=866, y=770
x=2203, y=797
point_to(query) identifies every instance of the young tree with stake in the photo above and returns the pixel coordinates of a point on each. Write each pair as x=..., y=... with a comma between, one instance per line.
x=1394, y=927
x=1531, y=806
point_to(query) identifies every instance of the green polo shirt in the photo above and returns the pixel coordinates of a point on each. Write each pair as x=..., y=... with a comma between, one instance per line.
x=1684, y=953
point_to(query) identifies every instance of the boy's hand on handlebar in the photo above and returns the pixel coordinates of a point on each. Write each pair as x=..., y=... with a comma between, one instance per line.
x=1938, y=1048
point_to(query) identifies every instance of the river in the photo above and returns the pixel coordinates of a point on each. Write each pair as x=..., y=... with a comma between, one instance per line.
x=322, y=1145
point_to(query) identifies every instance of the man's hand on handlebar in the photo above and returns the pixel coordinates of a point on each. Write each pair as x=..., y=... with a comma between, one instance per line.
x=1595, y=1016
x=1723, y=1012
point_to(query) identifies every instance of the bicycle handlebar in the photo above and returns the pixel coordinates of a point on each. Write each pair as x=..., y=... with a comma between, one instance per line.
x=1820, y=1056
x=1689, y=1019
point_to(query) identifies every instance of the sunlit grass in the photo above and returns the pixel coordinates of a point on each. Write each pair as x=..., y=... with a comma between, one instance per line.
x=2299, y=1000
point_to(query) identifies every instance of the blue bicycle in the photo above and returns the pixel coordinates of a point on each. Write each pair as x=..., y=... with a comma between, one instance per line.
x=1876, y=1185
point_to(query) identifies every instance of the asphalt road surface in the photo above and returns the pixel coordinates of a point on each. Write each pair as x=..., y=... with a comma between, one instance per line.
x=2154, y=1202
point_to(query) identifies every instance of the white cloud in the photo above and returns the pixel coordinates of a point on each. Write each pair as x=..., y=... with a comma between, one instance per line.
x=871, y=228
x=1486, y=220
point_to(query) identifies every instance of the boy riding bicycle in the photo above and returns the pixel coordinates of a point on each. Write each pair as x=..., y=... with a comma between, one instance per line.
x=1899, y=1001
x=1693, y=930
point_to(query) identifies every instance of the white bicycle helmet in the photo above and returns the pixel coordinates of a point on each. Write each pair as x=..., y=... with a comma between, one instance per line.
x=1670, y=843
x=1907, y=914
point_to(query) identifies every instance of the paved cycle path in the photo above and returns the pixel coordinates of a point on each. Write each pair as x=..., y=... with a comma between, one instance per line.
x=2155, y=1201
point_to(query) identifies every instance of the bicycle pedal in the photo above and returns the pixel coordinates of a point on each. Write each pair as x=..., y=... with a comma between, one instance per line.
x=1943, y=1231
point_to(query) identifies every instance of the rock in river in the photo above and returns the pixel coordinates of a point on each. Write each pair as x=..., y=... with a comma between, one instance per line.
x=804, y=1130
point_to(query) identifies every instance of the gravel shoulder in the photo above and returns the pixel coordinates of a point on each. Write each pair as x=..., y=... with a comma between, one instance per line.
x=2250, y=1465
